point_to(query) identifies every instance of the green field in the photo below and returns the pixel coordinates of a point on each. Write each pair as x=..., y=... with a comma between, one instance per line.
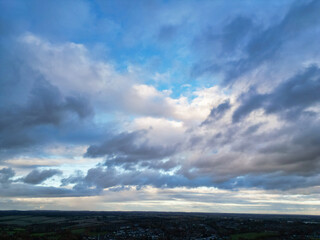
x=42, y=234
x=253, y=235
x=28, y=220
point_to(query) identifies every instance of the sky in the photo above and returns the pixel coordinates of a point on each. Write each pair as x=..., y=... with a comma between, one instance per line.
x=149, y=105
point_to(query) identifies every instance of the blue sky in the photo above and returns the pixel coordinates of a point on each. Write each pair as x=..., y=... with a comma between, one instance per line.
x=207, y=106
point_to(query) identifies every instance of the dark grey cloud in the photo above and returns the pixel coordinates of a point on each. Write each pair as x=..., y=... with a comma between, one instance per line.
x=27, y=190
x=101, y=178
x=74, y=178
x=12, y=188
x=252, y=129
x=20, y=124
x=165, y=165
x=289, y=98
x=258, y=45
x=297, y=152
x=292, y=150
x=261, y=150
x=129, y=148
x=272, y=181
x=5, y=175
x=218, y=112
x=38, y=176
x=110, y=177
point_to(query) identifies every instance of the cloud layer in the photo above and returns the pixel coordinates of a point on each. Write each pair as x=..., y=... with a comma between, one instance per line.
x=113, y=97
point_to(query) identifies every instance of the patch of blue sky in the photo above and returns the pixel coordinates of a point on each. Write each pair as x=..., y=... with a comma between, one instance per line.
x=104, y=118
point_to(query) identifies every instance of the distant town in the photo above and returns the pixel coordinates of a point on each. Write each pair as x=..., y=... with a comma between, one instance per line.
x=55, y=225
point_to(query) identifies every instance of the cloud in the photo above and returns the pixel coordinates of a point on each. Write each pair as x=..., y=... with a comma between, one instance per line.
x=45, y=106
x=5, y=175
x=75, y=178
x=109, y=177
x=218, y=152
x=32, y=191
x=129, y=148
x=11, y=188
x=226, y=44
x=218, y=112
x=258, y=45
x=272, y=181
x=259, y=151
x=290, y=98
x=236, y=158
x=82, y=95
x=37, y=177
x=75, y=72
